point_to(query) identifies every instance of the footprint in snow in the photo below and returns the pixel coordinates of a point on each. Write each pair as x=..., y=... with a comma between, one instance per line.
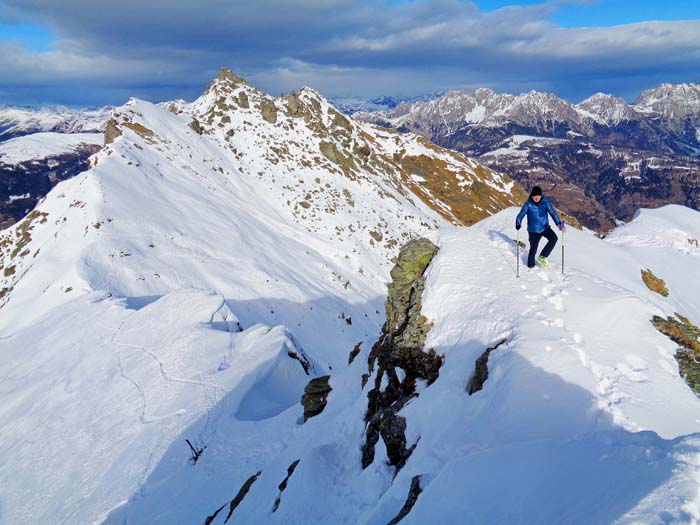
x=632, y=375
x=558, y=303
x=582, y=356
x=636, y=362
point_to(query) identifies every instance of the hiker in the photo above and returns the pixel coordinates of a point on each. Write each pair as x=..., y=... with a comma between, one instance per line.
x=536, y=208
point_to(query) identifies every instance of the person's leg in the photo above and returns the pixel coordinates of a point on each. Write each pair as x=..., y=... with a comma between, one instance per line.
x=551, y=242
x=534, y=241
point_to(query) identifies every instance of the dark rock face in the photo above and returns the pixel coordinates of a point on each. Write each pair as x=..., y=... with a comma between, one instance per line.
x=413, y=493
x=687, y=335
x=196, y=126
x=481, y=370
x=242, y=492
x=283, y=485
x=400, y=347
x=315, y=396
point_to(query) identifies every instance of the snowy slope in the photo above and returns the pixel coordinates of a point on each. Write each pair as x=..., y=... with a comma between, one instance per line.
x=131, y=281
x=41, y=145
x=584, y=418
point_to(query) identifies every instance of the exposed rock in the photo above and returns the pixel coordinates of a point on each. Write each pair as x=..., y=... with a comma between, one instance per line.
x=481, y=370
x=413, y=493
x=243, y=100
x=295, y=107
x=283, y=485
x=330, y=151
x=654, y=283
x=315, y=396
x=227, y=74
x=112, y=131
x=236, y=500
x=400, y=346
x=354, y=352
x=687, y=335
x=268, y=110
x=196, y=127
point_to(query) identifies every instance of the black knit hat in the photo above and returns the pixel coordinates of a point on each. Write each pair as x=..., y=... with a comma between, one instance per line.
x=536, y=191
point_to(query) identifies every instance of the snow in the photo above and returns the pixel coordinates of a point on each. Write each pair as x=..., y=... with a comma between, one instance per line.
x=16, y=121
x=41, y=145
x=121, y=340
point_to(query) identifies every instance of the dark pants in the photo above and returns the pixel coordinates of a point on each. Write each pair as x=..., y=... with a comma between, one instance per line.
x=535, y=241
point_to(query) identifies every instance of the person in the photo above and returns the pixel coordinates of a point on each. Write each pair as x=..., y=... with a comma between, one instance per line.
x=537, y=208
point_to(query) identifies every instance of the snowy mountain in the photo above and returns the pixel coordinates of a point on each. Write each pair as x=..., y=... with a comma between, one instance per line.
x=671, y=101
x=38, y=148
x=17, y=121
x=30, y=165
x=351, y=105
x=608, y=110
x=237, y=245
x=197, y=330
x=602, y=158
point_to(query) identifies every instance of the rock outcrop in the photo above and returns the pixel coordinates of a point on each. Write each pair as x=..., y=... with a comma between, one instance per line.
x=399, y=356
x=481, y=370
x=315, y=396
x=687, y=335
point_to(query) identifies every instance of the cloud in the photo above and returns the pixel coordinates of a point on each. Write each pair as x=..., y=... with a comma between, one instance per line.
x=164, y=49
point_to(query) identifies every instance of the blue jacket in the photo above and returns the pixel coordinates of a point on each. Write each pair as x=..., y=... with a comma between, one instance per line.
x=537, y=220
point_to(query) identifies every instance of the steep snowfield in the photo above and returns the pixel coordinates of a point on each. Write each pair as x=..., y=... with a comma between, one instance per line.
x=42, y=145
x=584, y=418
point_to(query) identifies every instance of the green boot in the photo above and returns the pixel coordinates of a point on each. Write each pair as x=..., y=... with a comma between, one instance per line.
x=543, y=261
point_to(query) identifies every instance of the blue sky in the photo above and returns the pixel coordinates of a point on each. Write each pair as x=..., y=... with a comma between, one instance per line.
x=81, y=52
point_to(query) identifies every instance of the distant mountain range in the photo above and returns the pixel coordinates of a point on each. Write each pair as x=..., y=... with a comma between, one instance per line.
x=19, y=121
x=352, y=105
x=603, y=158
x=40, y=147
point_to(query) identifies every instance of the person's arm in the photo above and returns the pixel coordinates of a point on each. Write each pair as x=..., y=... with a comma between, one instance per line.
x=521, y=216
x=553, y=213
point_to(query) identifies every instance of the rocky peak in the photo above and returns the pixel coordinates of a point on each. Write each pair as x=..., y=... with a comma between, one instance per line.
x=671, y=100
x=226, y=74
x=607, y=109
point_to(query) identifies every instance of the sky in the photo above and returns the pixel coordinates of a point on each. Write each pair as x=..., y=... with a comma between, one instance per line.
x=87, y=53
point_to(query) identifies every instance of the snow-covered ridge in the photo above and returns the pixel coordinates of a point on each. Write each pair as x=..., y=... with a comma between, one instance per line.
x=45, y=144
x=220, y=253
x=15, y=121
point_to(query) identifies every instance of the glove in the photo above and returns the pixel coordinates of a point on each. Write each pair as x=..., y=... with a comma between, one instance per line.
x=562, y=226
x=517, y=226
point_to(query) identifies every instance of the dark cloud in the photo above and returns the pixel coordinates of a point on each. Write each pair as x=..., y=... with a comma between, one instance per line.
x=163, y=49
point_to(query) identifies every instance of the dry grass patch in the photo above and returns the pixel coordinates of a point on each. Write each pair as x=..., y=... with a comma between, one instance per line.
x=654, y=283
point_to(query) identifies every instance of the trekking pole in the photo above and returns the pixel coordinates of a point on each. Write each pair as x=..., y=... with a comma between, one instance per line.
x=517, y=253
x=562, y=251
